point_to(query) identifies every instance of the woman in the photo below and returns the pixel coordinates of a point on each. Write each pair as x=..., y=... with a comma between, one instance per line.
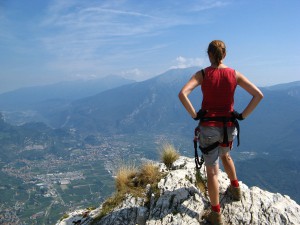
x=218, y=83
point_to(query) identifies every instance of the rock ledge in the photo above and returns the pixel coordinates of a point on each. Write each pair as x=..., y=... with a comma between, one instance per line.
x=182, y=203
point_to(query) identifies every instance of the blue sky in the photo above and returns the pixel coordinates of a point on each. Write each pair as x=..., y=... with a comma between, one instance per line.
x=47, y=41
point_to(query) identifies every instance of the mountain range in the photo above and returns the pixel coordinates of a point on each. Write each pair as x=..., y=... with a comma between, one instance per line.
x=39, y=102
x=24, y=98
x=269, y=137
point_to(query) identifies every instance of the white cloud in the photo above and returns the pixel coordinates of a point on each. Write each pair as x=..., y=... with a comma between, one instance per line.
x=98, y=36
x=79, y=30
x=209, y=4
x=135, y=74
x=85, y=32
x=182, y=62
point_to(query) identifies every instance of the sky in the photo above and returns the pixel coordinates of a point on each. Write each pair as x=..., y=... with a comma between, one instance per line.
x=49, y=41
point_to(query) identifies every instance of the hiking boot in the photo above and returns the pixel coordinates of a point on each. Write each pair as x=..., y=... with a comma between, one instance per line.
x=235, y=193
x=213, y=218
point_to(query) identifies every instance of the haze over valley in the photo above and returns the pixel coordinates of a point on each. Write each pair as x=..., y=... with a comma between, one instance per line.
x=60, y=144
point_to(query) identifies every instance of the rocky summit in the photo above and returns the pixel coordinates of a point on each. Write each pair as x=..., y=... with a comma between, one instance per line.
x=181, y=202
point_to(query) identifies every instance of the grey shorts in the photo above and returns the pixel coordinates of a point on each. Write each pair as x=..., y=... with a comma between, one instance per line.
x=208, y=136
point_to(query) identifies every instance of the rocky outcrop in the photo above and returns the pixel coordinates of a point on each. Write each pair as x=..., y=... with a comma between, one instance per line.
x=180, y=202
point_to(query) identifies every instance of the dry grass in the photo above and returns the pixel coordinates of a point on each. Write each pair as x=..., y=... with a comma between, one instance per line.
x=169, y=155
x=124, y=177
x=124, y=182
x=131, y=180
x=149, y=174
x=130, y=177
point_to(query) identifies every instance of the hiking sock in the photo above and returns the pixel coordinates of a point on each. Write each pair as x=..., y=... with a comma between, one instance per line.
x=216, y=208
x=235, y=183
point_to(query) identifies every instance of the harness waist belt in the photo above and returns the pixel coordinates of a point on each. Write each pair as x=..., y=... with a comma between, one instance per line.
x=218, y=119
x=225, y=142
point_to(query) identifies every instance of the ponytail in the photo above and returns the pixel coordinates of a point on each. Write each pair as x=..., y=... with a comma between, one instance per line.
x=217, y=50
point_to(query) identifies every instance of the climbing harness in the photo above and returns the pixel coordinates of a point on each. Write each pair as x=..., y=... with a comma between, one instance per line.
x=226, y=143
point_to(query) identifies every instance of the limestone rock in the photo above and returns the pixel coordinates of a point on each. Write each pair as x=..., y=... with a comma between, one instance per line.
x=181, y=203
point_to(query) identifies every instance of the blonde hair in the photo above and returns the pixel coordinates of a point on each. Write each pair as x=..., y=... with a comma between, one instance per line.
x=217, y=50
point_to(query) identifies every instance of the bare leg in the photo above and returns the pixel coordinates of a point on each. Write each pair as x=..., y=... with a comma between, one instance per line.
x=229, y=166
x=213, y=184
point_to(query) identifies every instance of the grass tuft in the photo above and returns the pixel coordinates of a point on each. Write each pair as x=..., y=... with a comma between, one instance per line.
x=169, y=155
x=124, y=177
x=131, y=180
x=149, y=174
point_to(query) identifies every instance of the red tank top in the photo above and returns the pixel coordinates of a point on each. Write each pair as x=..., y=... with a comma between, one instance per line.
x=218, y=89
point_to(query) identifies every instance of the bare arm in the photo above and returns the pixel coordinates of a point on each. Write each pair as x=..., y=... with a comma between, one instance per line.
x=195, y=81
x=257, y=95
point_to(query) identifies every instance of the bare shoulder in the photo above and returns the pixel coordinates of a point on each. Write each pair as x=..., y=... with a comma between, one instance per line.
x=197, y=77
x=247, y=85
x=238, y=74
x=240, y=78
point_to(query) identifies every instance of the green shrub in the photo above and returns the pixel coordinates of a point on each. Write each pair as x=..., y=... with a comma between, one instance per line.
x=201, y=182
x=65, y=216
x=109, y=205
